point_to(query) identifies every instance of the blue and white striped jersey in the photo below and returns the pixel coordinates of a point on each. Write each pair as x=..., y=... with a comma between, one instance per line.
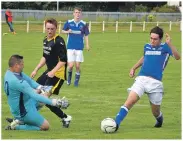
x=155, y=60
x=75, y=39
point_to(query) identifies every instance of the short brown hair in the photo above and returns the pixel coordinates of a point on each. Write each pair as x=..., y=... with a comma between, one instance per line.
x=78, y=8
x=51, y=21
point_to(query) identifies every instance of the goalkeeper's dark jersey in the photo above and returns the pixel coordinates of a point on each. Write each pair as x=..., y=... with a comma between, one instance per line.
x=54, y=50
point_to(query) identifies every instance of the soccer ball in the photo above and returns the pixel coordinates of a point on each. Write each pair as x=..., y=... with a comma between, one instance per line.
x=108, y=125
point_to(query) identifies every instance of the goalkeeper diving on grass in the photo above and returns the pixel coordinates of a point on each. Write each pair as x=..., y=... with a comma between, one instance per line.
x=24, y=99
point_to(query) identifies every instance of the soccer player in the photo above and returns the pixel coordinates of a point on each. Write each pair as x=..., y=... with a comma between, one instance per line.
x=55, y=58
x=149, y=79
x=22, y=98
x=76, y=29
x=9, y=20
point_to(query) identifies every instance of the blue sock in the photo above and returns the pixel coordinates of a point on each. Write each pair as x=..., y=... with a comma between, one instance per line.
x=77, y=77
x=69, y=75
x=121, y=115
x=26, y=127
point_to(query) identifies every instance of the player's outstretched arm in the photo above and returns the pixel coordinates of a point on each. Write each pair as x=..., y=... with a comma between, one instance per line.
x=172, y=47
x=25, y=88
x=32, y=83
x=41, y=64
x=136, y=66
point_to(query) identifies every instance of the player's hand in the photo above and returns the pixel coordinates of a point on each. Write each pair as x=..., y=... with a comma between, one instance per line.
x=69, y=31
x=33, y=74
x=46, y=89
x=87, y=47
x=168, y=39
x=50, y=74
x=61, y=103
x=132, y=73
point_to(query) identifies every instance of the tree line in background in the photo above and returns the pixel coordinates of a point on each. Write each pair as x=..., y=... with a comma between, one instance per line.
x=95, y=6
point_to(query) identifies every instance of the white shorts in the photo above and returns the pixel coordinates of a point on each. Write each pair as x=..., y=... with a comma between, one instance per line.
x=75, y=55
x=151, y=86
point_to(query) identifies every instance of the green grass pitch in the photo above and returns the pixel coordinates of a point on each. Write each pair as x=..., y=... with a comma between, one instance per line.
x=102, y=89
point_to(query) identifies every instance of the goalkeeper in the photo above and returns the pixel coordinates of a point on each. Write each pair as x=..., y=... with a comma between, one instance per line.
x=23, y=99
x=55, y=58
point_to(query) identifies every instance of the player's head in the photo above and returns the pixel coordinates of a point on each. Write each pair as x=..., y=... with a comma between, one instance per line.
x=16, y=63
x=8, y=10
x=51, y=27
x=156, y=35
x=77, y=13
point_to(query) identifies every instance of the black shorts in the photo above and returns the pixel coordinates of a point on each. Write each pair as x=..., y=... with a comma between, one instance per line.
x=55, y=82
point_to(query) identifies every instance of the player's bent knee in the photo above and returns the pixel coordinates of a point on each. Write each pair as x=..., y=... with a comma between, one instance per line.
x=45, y=126
x=70, y=64
x=71, y=67
x=131, y=100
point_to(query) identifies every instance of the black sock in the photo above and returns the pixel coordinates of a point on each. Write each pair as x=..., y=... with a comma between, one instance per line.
x=57, y=111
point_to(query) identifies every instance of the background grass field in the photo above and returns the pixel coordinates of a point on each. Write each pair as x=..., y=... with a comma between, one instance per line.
x=102, y=89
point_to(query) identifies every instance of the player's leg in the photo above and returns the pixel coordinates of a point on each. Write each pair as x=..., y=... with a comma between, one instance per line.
x=71, y=60
x=8, y=23
x=155, y=102
x=42, y=79
x=32, y=121
x=79, y=59
x=70, y=68
x=131, y=100
x=11, y=27
x=155, y=95
x=77, y=75
x=136, y=91
x=57, y=84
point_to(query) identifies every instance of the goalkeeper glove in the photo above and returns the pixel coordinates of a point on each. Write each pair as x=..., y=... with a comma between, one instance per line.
x=61, y=103
x=45, y=89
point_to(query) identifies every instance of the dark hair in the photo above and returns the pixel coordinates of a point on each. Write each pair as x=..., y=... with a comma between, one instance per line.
x=78, y=8
x=157, y=30
x=52, y=21
x=15, y=59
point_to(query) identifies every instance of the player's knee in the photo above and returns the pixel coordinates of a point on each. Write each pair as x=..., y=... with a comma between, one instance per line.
x=45, y=126
x=71, y=65
x=131, y=100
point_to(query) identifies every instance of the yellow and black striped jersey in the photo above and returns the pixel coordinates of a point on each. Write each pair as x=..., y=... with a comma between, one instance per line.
x=54, y=50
